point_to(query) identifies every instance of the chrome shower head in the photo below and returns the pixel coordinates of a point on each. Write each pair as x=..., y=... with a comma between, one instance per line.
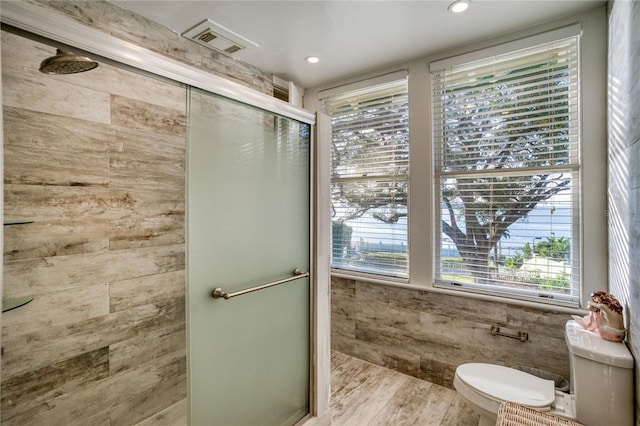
x=66, y=63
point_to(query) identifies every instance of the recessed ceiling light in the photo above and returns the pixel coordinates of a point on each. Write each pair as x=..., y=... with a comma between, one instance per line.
x=459, y=6
x=312, y=59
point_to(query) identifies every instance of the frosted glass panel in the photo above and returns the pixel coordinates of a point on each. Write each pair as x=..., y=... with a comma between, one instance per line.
x=248, y=224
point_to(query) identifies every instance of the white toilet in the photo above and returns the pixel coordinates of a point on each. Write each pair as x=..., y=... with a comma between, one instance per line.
x=601, y=384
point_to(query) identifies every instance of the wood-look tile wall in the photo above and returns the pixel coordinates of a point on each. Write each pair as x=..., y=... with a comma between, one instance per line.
x=427, y=335
x=97, y=161
x=624, y=169
x=133, y=28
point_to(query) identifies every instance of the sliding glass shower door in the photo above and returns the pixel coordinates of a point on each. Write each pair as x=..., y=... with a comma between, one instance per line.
x=248, y=225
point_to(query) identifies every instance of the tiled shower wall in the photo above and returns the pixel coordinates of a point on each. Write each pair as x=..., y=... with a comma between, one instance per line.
x=427, y=334
x=624, y=168
x=135, y=29
x=96, y=160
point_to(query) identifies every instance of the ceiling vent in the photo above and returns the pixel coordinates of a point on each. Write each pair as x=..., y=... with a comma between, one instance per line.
x=217, y=37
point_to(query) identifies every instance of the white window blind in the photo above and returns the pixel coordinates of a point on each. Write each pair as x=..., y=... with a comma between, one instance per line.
x=369, y=185
x=507, y=163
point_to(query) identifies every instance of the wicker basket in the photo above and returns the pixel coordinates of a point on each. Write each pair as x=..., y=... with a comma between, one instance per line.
x=511, y=414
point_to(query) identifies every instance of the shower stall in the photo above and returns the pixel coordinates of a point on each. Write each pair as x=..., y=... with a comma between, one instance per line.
x=257, y=294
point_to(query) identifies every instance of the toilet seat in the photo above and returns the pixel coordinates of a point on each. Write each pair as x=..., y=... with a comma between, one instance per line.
x=498, y=384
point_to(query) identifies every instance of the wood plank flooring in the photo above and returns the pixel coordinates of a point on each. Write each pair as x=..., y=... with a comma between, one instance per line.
x=365, y=394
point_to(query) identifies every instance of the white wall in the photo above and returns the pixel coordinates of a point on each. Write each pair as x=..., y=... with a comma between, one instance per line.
x=624, y=166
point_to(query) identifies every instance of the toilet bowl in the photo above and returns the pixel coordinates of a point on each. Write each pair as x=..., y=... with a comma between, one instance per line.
x=599, y=369
x=486, y=386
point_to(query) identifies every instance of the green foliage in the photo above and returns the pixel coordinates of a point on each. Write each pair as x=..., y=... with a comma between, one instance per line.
x=452, y=262
x=527, y=253
x=458, y=278
x=385, y=259
x=341, y=238
x=558, y=284
x=554, y=248
x=514, y=262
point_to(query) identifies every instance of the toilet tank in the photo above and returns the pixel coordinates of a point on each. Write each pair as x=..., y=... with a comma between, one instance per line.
x=601, y=378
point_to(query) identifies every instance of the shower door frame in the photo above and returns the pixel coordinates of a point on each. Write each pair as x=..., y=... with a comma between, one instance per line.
x=38, y=20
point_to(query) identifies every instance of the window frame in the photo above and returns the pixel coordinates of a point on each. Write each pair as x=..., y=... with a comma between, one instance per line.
x=327, y=96
x=568, y=37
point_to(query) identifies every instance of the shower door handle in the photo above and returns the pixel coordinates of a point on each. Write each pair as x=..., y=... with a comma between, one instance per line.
x=219, y=293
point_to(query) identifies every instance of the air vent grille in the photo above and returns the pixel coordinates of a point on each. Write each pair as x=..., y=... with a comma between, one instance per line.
x=207, y=36
x=217, y=37
x=218, y=42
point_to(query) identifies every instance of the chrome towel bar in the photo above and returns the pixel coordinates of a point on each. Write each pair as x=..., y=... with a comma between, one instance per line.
x=219, y=293
x=521, y=335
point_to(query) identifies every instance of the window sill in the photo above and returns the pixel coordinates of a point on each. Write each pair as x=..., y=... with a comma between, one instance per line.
x=405, y=283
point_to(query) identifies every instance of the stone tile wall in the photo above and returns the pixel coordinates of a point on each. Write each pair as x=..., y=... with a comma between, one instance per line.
x=133, y=28
x=427, y=334
x=97, y=161
x=624, y=168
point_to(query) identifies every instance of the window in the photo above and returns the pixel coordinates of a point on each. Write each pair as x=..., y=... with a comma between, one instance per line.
x=507, y=172
x=370, y=172
x=506, y=165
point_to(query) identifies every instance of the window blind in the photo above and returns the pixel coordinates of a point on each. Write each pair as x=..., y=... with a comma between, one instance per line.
x=369, y=185
x=507, y=165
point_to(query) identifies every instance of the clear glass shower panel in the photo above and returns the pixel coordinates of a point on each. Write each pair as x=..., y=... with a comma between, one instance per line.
x=248, y=224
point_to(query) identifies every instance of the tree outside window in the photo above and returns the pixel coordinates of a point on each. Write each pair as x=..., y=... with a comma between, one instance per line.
x=369, y=185
x=506, y=148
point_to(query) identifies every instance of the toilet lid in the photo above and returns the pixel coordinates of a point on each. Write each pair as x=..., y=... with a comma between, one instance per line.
x=507, y=384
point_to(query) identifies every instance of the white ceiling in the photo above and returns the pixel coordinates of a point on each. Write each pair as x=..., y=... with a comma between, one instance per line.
x=351, y=37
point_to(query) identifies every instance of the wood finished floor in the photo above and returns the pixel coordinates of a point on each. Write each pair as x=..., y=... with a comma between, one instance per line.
x=365, y=394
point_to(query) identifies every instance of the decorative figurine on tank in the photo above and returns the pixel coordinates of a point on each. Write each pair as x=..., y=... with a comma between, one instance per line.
x=605, y=317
